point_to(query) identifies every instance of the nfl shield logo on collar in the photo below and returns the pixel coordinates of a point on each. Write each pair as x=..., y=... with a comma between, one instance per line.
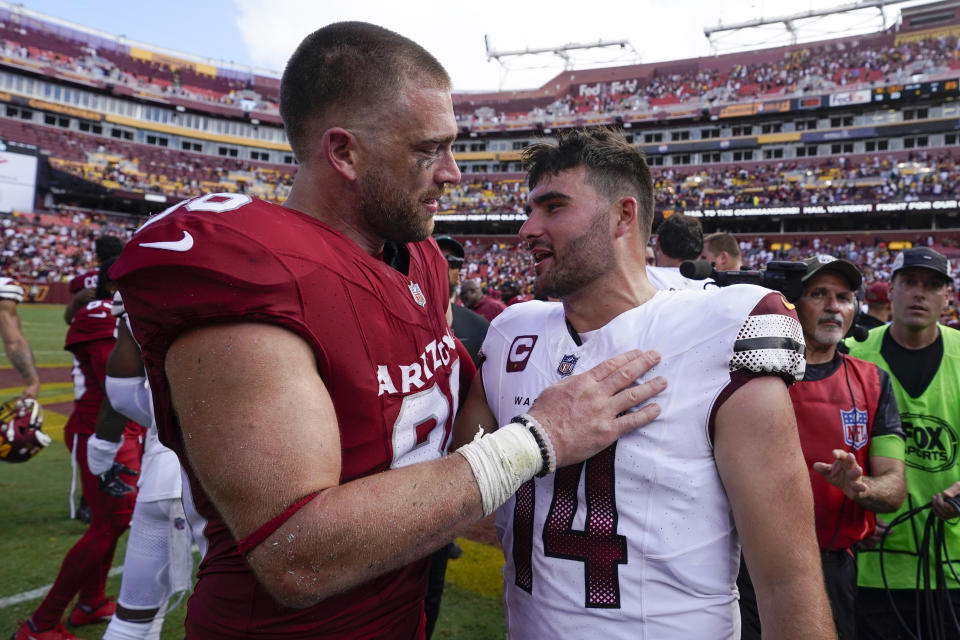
x=566, y=365
x=854, y=427
x=418, y=296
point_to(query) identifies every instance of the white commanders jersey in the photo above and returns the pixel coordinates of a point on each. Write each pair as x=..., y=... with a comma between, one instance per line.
x=639, y=541
x=668, y=278
x=10, y=289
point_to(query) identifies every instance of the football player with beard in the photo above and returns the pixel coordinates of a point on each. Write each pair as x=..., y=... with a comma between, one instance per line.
x=303, y=370
x=14, y=343
x=643, y=539
x=83, y=572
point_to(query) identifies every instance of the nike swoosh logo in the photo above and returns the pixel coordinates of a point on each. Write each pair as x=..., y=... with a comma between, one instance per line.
x=98, y=315
x=183, y=244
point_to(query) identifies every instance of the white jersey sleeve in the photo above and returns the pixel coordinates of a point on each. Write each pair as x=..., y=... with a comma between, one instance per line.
x=669, y=278
x=10, y=289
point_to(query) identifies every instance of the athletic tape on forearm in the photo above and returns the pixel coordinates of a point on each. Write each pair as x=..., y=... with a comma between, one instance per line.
x=100, y=454
x=501, y=462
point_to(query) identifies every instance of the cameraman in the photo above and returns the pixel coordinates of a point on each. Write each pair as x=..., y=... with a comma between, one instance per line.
x=851, y=437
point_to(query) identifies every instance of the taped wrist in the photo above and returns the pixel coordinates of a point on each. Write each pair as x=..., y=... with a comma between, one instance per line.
x=100, y=454
x=543, y=441
x=502, y=461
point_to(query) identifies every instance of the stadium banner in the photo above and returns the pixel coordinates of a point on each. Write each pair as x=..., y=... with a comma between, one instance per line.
x=18, y=181
x=810, y=102
x=777, y=106
x=617, y=87
x=916, y=90
x=751, y=142
x=847, y=98
x=842, y=134
x=738, y=110
x=481, y=217
x=70, y=111
x=915, y=127
x=810, y=210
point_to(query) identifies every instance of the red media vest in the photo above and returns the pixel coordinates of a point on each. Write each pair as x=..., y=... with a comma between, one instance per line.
x=828, y=420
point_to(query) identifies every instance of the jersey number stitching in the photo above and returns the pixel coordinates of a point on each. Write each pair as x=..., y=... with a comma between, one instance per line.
x=598, y=546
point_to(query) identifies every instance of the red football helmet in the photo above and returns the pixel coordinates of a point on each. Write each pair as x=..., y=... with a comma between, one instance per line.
x=21, y=436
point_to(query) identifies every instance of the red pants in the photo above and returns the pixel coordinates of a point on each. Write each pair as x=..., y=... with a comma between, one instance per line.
x=84, y=569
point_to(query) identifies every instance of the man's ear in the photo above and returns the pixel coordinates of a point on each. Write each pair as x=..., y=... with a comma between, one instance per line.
x=339, y=149
x=626, y=216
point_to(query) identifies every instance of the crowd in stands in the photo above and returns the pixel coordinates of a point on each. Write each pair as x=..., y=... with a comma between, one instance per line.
x=816, y=67
x=128, y=166
x=55, y=246
x=808, y=69
x=829, y=180
x=36, y=47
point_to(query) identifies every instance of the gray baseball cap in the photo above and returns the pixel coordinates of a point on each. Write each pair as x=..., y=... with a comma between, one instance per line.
x=822, y=262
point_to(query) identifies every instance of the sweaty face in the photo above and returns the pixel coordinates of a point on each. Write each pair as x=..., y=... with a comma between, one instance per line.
x=407, y=165
x=568, y=230
x=918, y=297
x=826, y=310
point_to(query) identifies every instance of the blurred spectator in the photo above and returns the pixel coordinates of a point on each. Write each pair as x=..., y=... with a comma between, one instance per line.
x=722, y=251
x=878, y=307
x=473, y=297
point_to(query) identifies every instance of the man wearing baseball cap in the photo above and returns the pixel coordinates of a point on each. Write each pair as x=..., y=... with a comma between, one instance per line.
x=923, y=359
x=850, y=434
x=878, y=307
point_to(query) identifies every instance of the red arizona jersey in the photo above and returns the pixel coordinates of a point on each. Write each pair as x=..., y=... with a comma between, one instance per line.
x=380, y=338
x=83, y=281
x=90, y=339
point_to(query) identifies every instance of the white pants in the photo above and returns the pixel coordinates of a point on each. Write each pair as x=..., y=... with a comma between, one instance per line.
x=158, y=564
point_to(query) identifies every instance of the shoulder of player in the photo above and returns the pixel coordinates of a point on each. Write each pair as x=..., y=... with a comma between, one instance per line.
x=734, y=302
x=527, y=314
x=93, y=311
x=215, y=229
x=10, y=289
x=529, y=318
x=213, y=210
x=93, y=321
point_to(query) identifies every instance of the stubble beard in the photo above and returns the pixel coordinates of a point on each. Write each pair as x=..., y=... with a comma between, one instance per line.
x=390, y=213
x=583, y=261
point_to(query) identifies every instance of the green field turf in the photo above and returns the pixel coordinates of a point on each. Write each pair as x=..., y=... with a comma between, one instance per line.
x=37, y=531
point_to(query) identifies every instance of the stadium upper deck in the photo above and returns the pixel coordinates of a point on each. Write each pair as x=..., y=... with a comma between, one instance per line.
x=134, y=122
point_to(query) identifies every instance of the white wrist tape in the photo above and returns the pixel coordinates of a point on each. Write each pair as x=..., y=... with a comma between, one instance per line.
x=100, y=454
x=502, y=461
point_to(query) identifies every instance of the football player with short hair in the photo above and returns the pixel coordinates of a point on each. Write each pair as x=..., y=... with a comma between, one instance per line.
x=303, y=369
x=643, y=538
x=83, y=572
x=14, y=343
